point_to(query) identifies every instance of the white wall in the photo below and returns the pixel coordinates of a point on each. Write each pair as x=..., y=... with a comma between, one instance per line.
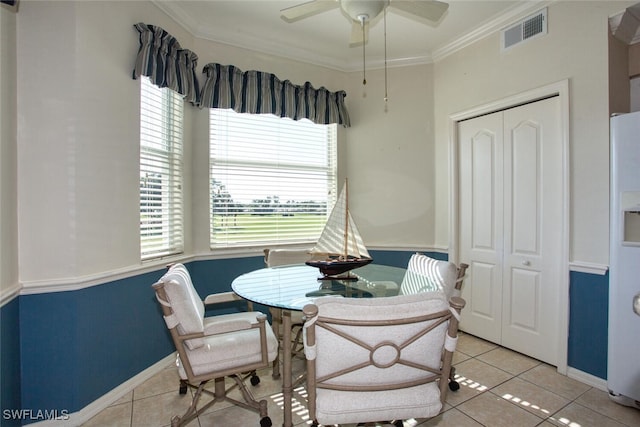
x=390, y=157
x=575, y=49
x=78, y=125
x=78, y=132
x=8, y=170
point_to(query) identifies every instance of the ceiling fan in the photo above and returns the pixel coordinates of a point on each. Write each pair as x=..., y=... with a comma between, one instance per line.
x=361, y=12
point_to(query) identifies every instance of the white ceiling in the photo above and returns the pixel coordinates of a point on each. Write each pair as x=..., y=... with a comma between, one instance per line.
x=323, y=39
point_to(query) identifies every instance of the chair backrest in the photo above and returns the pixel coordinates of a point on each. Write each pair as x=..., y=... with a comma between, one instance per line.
x=462, y=273
x=282, y=256
x=384, y=345
x=184, y=301
x=426, y=274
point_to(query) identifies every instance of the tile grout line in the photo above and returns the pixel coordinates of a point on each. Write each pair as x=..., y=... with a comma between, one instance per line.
x=155, y=392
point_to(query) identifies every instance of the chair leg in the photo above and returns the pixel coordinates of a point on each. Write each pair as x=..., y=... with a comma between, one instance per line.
x=276, y=324
x=453, y=384
x=192, y=412
x=251, y=402
x=255, y=379
x=219, y=394
x=296, y=346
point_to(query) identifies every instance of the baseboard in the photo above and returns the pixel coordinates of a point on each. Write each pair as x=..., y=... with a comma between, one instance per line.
x=588, y=379
x=106, y=400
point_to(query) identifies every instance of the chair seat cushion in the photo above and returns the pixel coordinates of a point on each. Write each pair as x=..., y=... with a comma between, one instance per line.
x=229, y=350
x=336, y=407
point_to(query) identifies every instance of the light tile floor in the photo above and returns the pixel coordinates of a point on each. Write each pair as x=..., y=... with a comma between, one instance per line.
x=499, y=387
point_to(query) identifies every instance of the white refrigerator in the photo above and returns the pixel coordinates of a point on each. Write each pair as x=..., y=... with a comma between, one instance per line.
x=623, y=365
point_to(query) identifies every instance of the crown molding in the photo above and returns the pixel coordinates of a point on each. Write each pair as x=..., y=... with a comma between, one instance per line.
x=257, y=44
x=244, y=41
x=490, y=27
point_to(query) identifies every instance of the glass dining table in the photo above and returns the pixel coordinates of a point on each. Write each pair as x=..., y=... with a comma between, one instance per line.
x=289, y=288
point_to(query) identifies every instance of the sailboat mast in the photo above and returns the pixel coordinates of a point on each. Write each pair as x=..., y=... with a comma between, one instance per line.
x=346, y=219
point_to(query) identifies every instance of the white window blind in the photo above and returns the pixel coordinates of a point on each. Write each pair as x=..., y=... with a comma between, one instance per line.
x=161, y=210
x=272, y=180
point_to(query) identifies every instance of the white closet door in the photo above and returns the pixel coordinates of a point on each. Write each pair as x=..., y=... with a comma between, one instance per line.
x=510, y=230
x=481, y=223
x=533, y=228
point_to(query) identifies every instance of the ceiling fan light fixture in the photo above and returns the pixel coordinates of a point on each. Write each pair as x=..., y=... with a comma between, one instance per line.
x=362, y=12
x=368, y=9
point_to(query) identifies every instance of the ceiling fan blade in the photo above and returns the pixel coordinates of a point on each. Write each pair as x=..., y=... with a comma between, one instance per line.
x=304, y=10
x=356, y=34
x=429, y=9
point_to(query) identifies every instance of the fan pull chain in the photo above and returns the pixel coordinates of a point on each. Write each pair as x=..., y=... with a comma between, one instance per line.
x=386, y=97
x=364, y=62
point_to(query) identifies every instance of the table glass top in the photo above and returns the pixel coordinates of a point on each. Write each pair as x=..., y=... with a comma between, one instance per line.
x=293, y=286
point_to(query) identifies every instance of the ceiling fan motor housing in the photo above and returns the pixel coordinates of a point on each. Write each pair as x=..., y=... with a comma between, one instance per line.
x=363, y=10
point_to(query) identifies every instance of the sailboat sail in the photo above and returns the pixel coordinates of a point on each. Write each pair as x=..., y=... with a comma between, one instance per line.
x=339, y=224
x=340, y=247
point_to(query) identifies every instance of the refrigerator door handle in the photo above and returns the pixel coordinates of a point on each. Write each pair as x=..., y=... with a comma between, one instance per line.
x=636, y=304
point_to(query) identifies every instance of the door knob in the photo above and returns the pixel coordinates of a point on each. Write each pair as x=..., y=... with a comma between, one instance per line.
x=636, y=304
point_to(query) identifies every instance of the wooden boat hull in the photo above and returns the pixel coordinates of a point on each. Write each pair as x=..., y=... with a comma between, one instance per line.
x=332, y=267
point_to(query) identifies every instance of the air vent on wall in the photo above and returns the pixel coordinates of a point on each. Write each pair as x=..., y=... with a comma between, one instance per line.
x=530, y=27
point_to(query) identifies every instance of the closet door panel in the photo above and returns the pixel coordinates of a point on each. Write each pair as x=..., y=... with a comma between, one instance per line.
x=532, y=232
x=481, y=196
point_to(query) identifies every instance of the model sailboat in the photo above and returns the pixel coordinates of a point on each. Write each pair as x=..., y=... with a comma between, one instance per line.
x=340, y=247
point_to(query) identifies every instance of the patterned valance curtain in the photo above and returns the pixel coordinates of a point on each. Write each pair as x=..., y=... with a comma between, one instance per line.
x=161, y=58
x=258, y=92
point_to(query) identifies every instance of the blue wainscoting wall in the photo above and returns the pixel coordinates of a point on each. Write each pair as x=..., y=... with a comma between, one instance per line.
x=63, y=350
x=9, y=361
x=588, y=323
x=78, y=345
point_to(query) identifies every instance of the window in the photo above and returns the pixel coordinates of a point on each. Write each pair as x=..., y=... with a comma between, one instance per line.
x=272, y=180
x=161, y=218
